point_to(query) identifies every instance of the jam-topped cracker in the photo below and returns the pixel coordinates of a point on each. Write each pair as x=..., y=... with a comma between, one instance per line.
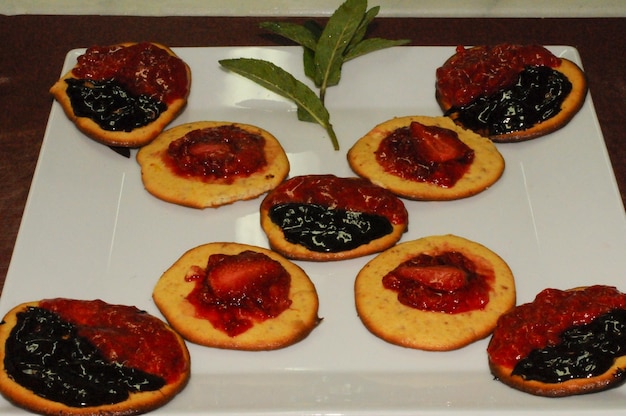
x=436, y=293
x=124, y=95
x=426, y=158
x=88, y=357
x=212, y=163
x=563, y=343
x=510, y=92
x=237, y=296
x=326, y=217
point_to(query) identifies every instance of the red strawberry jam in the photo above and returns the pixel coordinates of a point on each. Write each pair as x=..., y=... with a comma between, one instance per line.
x=142, y=69
x=217, y=153
x=235, y=291
x=483, y=70
x=425, y=154
x=447, y=282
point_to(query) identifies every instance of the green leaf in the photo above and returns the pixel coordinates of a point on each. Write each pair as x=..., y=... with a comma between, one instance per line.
x=305, y=35
x=372, y=45
x=334, y=40
x=300, y=34
x=308, y=61
x=304, y=115
x=308, y=56
x=315, y=28
x=326, y=48
x=361, y=31
x=283, y=83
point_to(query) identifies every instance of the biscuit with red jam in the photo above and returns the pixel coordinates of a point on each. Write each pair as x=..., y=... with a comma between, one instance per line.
x=237, y=296
x=212, y=163
x=436, y=293
x=426, y=158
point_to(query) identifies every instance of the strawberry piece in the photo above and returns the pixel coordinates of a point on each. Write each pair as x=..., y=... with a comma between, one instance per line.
x=209, y=149
x=437, y=144
x=234, y=276
x=441, y=278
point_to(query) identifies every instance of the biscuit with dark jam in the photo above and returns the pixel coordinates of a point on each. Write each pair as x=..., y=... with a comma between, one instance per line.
x=77, y=357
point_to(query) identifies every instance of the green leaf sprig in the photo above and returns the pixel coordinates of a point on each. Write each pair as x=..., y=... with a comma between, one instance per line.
x=326, y=49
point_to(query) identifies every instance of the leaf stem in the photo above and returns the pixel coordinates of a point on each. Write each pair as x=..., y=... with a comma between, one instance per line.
x=323, y=93
x=333, y=136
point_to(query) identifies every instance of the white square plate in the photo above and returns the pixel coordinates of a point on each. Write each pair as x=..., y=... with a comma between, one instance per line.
x=90, y=230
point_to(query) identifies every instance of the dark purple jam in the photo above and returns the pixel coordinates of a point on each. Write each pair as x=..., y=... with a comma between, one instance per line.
x=326, y=230
x=584, y=351
x=536, y=96
x=111, y=106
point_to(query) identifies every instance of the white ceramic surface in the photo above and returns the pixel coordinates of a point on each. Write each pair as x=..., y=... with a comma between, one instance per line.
x=90, y=230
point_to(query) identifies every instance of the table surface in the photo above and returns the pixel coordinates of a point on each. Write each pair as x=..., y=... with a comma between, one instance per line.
x=34, y=48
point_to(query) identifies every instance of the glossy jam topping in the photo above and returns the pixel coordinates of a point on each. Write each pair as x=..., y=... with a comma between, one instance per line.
x=124, y=334
x=537, y=325
x=236, y=291
x=583, y=351
x=424, y=153
x=349, y=194
x=447, y=282
x=140, y=69
x=110, y=106
x=52, y=357
x=217, y=153
x=328, y=230
x=536, y=96
x=483, y=70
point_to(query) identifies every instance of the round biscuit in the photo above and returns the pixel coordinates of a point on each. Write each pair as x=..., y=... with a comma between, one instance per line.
x=486, y=168
x=384, y=316
x=292, y=325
